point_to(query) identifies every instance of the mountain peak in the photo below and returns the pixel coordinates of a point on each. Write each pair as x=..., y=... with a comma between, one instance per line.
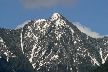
x=55, y=16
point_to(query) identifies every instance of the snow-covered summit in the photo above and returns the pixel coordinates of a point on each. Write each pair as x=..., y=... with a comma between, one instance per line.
x=55, y=16
x=40, y=20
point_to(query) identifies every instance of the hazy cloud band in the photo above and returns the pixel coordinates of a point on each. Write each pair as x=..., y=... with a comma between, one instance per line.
x=45, y=3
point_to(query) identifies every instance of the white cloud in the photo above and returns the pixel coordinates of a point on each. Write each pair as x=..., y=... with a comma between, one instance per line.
x=45, y=3
x=87, y=30
x=22, y=25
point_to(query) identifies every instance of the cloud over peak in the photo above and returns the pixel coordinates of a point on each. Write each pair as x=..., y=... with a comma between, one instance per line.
x=87, y=30
x=45, y=3
x=22, y=25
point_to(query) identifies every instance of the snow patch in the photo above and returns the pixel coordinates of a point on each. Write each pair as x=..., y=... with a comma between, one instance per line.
x=94, y=60
x=34, y=65
x=71, y=69
x=43, y=53
x=71, y=30
x=55, y=43
x=32, y=53
x=40, y=20
x=54, y=57
x=58, y=37
x=21, y=41
x=7, y=55
x=60, y=22
x=75, y=42
x=103, y=59
x=41, y=64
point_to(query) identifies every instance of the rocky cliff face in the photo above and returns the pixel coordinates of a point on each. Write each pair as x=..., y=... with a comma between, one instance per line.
x=54, y=45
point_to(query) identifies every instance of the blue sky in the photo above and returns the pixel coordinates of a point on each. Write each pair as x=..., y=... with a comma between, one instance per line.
x=90, y=13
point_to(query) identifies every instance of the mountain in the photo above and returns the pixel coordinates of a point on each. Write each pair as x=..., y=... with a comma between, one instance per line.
x=51, y=45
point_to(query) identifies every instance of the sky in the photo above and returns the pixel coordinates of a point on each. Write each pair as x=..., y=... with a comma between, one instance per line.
x=91, y=16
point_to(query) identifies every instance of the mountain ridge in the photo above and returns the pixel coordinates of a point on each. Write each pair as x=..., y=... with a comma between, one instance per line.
x=55, y=44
